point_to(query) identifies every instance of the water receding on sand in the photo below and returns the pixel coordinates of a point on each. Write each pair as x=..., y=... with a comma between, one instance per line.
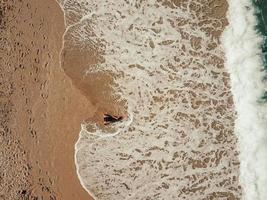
x=160, y=65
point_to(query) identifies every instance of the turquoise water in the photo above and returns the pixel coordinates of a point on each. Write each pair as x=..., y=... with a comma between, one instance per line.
x=261, y=13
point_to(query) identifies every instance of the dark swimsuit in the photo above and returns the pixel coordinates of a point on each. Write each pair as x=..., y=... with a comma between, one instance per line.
x=110, y=119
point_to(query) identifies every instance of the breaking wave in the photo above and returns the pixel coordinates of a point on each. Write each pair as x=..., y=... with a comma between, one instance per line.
x=245, y=61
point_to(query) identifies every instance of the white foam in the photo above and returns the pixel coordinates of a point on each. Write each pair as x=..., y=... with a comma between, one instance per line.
x=245, y=64
x=161, y=77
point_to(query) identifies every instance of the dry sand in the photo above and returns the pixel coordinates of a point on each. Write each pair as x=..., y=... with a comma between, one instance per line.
x=41, y=111
x=41, y=108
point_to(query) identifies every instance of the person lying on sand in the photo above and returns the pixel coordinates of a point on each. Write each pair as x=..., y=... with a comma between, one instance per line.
x=108, y=119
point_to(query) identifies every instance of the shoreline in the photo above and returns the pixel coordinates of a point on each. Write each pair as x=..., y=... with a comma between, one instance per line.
x=70, y=190
x=50, y=103
x=91, y=197
x=243, y=46
x=47, y=108
x=224, y=136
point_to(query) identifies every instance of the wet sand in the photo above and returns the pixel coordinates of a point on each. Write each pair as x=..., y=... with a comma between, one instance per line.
x=217, y=131
x=42, y=105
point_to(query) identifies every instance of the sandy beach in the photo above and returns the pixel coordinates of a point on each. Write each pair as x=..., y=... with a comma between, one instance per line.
x=44, y=100
x=41, y=111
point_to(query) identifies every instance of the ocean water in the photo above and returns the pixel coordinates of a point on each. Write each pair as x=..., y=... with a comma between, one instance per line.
x=261, y=15
x=244, y=41
x=177, y=141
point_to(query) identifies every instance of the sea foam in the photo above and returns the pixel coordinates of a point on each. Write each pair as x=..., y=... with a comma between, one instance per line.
x=177, y=142
x=242, y=45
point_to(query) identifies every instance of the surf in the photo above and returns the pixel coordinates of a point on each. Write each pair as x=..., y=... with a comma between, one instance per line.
x=167, y=68
x=246, y=64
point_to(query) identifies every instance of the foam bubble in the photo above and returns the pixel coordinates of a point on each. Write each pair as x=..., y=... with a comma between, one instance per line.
x=178, y=141
x=244, y=62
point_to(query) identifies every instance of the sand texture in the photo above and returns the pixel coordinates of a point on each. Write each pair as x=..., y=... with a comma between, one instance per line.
x=41, y=111
x=46, y=94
